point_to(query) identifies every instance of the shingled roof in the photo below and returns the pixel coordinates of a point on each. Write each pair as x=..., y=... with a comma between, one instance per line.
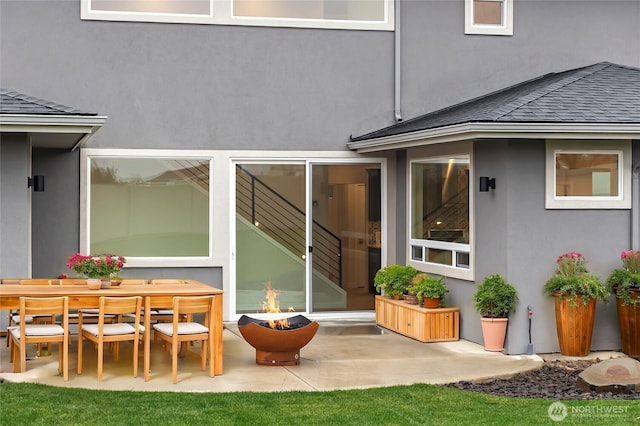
x=17, y=103
x=49, y=124
x=600, y=93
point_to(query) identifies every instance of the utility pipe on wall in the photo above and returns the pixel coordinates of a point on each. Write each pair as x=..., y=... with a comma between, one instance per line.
x=635, y=208
x=397, y=57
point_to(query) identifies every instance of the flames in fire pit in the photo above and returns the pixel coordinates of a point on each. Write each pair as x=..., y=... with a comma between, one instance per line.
x=277, y=342
x=272, y=305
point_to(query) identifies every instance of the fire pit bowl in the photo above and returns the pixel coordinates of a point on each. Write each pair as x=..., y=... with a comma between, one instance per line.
x=277, y=346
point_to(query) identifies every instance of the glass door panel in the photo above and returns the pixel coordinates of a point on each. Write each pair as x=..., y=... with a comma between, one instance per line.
x=346, y=225
x=270, y=236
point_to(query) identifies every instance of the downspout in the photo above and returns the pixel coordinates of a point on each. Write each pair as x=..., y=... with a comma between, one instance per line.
x=398, y=112
x=635, y=208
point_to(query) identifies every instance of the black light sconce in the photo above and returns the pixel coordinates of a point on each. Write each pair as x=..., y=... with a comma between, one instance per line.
x=487, y=183
x=37, y=182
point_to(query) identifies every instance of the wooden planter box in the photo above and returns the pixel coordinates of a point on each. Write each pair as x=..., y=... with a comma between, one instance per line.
x=425, y=325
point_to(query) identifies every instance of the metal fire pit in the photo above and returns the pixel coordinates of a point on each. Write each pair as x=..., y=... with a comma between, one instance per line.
x=277, y=346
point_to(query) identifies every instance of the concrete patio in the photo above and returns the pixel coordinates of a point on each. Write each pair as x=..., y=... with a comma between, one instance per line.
x=342, y=355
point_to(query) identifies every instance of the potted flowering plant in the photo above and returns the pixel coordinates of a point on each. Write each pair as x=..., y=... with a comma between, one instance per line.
x=575, y=293
x=102, y=267
x=624, y=283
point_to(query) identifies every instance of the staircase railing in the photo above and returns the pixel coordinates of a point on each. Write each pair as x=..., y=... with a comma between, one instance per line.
x=277, y=217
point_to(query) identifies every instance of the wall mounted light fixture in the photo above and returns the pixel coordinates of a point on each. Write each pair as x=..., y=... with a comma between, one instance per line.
x=487, y=183
x=37, y=182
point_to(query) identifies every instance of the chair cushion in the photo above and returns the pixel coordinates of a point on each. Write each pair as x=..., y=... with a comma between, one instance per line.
x=27, y=318
x=141, y=314
x=39, y=330
x=183, y=328
x=164, y=312
x=111, y=329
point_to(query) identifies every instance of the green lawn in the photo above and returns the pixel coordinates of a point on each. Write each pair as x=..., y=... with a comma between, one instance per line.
x=31, y=404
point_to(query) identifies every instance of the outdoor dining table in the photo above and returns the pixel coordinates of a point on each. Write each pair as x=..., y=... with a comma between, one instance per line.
x=155, y=296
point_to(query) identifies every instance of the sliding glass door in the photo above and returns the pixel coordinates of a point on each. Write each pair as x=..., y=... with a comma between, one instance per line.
x=307, y=234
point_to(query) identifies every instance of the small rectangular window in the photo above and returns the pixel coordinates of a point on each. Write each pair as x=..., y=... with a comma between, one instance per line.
x=588, y=174
x=489, y=17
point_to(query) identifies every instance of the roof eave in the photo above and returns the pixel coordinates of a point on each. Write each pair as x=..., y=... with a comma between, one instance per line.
x=467, y=131
x=57, y=124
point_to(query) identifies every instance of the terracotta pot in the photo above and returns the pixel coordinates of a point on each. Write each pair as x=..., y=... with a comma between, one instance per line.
x=574, y=325
x=411, y=299
x=494, y=330
x=629, y=325
x=431, y=303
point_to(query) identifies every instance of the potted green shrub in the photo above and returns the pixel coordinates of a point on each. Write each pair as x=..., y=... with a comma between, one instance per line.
x=624, y=283
x=494, y=299
x=430, y=291
x=575, y=292
x=393, y=280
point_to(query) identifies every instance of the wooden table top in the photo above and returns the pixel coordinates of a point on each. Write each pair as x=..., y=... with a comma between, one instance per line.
x=189, y=288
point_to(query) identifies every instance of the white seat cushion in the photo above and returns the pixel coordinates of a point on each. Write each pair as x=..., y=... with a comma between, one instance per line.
x=183, y=328
x=164, y=312
x=27, y=318
x=141, y=314
x=39, y=330
x=111, y=329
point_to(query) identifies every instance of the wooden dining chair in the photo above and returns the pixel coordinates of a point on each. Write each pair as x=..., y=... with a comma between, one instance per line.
x=164, y=314
x=72, y=281
x=90, y=315
x=178, y=333
x=114, y=332
x=24, y=333
x=14, y=316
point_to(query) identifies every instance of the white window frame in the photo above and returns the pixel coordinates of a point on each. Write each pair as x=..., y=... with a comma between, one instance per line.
x=86, y=155
x=560, y=146
x=470, y=27
x=436, y=152
x=221, y=13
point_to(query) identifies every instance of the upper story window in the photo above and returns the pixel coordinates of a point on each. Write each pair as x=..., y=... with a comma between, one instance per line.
x=345, y=14
x=152, y=208
x=489, y=17
x=588, y=174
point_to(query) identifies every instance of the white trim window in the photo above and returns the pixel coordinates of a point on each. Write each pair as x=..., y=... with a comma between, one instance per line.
x=588, y=174
x=488, y=17
x=440, y=212
x=153, y=207
x=344, y=14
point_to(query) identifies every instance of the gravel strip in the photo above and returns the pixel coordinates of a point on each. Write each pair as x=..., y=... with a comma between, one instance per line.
x=554, y=380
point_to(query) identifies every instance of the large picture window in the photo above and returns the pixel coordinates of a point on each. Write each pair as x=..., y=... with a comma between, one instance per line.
x=151, y=207
x=346, y=14
x=440, y=212
x=588, y=174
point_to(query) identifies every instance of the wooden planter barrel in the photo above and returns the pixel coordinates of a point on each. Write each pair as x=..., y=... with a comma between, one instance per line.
x=629, y=325
x=574, y=325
